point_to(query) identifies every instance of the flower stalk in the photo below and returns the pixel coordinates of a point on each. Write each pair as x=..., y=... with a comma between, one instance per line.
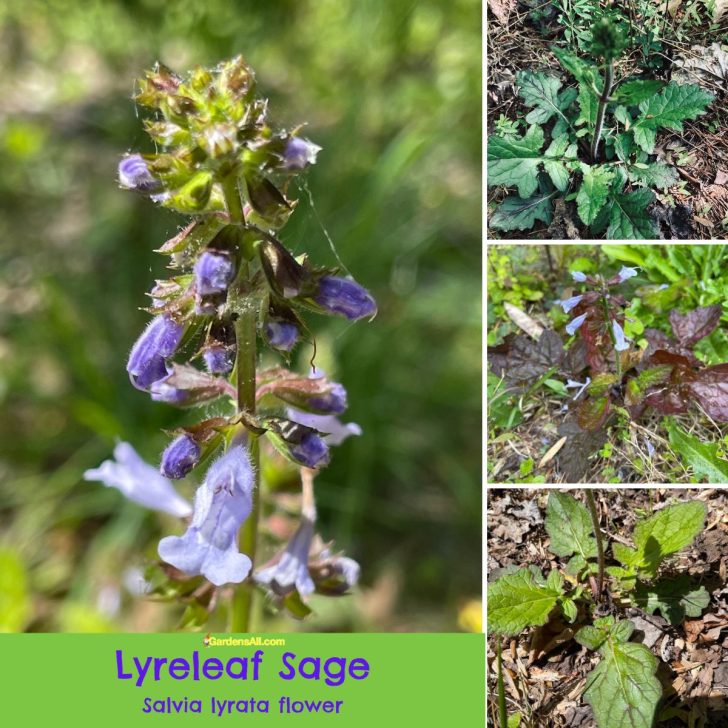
x=600, y=545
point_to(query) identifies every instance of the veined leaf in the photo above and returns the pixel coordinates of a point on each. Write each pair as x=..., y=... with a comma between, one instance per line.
x=592, y=412
x=515, y=162
x=541, y=91
x=588, y=103
x=516, y=601
x=632, y=93
x=569, y=526
x=517, y=214
x=675, y=598
x=580, y=69
x=671, y=529
x=657, y=174
x=622, y=690
x=594, y=191
x=668, y=109
x=628, y=216
x=601, y=383
x=701, y=456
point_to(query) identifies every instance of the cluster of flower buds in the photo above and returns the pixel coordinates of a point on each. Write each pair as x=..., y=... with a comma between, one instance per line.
x=219, y=160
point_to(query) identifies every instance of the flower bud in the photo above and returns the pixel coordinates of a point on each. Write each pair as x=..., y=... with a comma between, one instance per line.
x=147, y=360
x=281, y=334
x=299, y=153
x=297, y=442
x=219, y=359
x=135, y=175
x=334, y=575
x=620, y=340
x=345, y=297
x=179, y=457
x=574, y=324
x=578, y=276
x=213, y=273
x=311, y=451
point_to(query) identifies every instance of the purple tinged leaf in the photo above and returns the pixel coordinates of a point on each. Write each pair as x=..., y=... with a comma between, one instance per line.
x=694, y=325
x=592, y=412
x=222, y=504
x=521, y=359
x=575, y=323
x=139, y=482
x=710, y=388
x=570, y=303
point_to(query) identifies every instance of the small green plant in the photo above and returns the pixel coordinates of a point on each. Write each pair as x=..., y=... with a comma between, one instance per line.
x=601, y=150
x=622, y=690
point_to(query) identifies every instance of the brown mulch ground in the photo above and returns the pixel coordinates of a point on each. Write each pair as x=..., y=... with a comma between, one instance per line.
x=545, y=671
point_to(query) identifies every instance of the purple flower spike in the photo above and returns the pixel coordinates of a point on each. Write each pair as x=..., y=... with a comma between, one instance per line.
x=163, y=392
x=312, y=451
x=570, y=303
x=333, y=402
x=299, y=153
x=135, y=175
x=578, y=276
x=620, y=340
x=345, y=297
x=179, y=457
x=158, y=342
x=290, y=572
x=213, y=273
x=574, y=324
x=626, y=273
x=223, y=502
x=281, y=335
x=334, y=431
x=139, y=482
x=219, y=359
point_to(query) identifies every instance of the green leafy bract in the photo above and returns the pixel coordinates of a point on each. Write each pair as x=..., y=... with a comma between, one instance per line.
x=622, y=690
x=668, y=109
x=517, y=601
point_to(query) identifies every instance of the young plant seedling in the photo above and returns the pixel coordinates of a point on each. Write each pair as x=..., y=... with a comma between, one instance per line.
x=622, y=690
x=602, y=137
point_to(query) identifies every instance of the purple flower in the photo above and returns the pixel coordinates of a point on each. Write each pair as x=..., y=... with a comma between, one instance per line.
x=620, y=341
x=345, y=297
x=290, y=572
x=222, y=503
x=311, y=451
x=163, y=392
x=299, y=153
x=574, y=324
x=147, y=360
x=578, y=276
x=281, y=334
x=571, y=384
x=570, y=303
x=179, y=457
x=334, y=431
x=626, y=273
x=135, y=175
x=139, y=482
x=333, y=402
x=219, y=359
x=213, y=273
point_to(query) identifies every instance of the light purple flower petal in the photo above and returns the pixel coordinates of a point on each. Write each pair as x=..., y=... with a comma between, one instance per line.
x=222, y=503
x=621, y=342
x=291, y=570
x=213, y=273
x=574, y=324
x=571, y=384
x=626, y=273
x=299, y=153
x=570, y=303
x=578, y=276
x=335, y=431
x=139, y=482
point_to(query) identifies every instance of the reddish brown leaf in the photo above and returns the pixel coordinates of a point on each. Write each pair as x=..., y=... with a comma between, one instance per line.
x=592, y=412
x=521, y=359
x=710, y=389
x=694, y=325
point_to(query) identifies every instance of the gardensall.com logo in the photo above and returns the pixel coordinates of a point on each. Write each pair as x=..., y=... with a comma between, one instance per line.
x=251, y=641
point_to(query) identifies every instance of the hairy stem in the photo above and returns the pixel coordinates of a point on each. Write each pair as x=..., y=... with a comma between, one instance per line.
x=598, y=536
x=617, y=354
x=246, y=307
x=602, y=110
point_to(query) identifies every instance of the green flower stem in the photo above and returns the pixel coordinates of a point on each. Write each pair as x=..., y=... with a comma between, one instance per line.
x=598, y=536
x=617, y=354
x=502, y=710
x=602, y=110
x=246, y=307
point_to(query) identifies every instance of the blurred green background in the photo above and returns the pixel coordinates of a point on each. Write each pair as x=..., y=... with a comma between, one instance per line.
x=391, y=91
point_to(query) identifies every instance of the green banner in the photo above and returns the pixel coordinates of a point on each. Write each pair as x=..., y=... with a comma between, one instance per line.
x=295, y=679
